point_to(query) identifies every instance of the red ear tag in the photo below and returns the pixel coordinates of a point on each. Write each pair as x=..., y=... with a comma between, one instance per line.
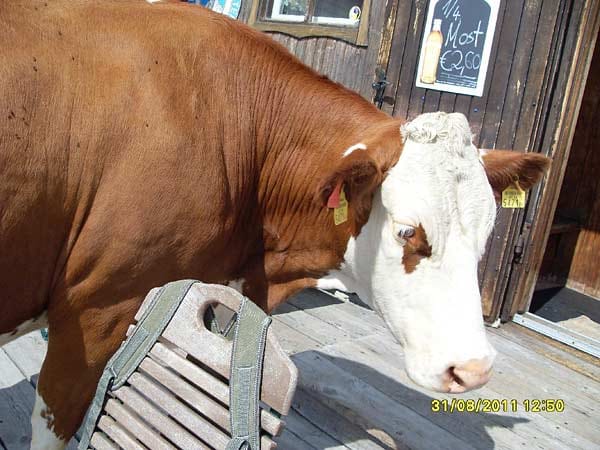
x=334, y=198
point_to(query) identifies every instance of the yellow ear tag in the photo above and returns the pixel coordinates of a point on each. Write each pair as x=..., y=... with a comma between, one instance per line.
x=513, y=197
x=340, y=214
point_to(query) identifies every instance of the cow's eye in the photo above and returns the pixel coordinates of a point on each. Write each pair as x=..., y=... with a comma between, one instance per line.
x=404, y=232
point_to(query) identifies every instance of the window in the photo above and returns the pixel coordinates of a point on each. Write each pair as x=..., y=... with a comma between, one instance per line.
x=343, y=19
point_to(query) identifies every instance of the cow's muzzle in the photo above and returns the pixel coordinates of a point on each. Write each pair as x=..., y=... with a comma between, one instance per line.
x=467, y=376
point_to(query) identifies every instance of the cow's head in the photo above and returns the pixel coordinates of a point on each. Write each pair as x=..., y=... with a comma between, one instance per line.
x=415, y=260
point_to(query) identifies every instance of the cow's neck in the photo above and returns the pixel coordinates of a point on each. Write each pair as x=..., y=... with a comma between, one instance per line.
x=304, y=136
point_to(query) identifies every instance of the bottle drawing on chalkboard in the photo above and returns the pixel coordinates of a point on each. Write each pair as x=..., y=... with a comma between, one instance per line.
x=433, y=48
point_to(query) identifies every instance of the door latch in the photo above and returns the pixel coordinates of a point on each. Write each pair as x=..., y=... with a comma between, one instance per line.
x=379, y=86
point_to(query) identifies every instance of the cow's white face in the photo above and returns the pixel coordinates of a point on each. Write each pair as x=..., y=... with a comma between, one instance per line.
x=415, y=261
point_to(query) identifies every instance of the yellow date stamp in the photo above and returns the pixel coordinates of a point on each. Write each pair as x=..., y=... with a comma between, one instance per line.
x=496, y=405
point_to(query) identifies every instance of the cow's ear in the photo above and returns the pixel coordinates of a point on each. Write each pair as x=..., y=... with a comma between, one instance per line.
x=504, y=167
x=358, y=175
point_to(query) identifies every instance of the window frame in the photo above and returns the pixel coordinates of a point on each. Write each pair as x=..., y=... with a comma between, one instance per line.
x=357, y=35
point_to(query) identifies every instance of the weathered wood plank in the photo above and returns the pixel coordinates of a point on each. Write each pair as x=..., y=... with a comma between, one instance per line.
x=511, y=380
x=351, y=319
x=557, y=378
x=292, y=340
x=290, y=441
x=200, y=378
x=151, y=414
x=200, y=401
x=130, y=420
x=177, y=410
x=333, y=422
x=373, y=318
x=16, y=403
x=582, y=363
x=363, y=404
x=206, y=382
x=28, y=353
x=369, y=359
x=100, y=441
x=410, y=36
x=118, y=434
x=311, y=435
x=321, y=331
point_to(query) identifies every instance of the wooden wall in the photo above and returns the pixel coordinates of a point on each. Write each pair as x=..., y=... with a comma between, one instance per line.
x=350, y=65
x=572, y=256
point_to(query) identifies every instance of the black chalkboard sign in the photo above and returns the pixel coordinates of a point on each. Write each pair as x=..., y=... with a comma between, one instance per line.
x=464, y=29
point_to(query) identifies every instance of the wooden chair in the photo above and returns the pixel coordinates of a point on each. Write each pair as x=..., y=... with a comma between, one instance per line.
x=178, y=396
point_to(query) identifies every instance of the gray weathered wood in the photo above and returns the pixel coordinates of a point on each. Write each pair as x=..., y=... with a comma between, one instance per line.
x=136, y=425
x=16, y=402
x=151, y=414
x=311, y=434
x=330, y=406
x=118, y=434
x=205, y=381
x=101, y=442
x=504, y=430
x=333, y=423
x=187, y=331
x=28, y=353
x=187, y=369
x=201, y=401
x=363, y=404
x=184, y=415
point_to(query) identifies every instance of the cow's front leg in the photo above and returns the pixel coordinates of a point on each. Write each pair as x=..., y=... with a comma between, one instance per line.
x=80, y=343
x=43, y=435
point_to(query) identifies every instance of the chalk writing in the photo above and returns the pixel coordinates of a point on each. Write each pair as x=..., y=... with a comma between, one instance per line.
x=467, y=27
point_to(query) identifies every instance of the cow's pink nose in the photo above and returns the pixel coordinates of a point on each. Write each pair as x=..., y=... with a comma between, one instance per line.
x=470, y=375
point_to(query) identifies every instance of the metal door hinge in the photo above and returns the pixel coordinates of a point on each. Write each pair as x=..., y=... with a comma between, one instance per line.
x=522, y=242
x=379, y=86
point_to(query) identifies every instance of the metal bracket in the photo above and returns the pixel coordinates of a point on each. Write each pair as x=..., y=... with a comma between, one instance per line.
x=521, y=244
x=379, y=87
x=559, y=333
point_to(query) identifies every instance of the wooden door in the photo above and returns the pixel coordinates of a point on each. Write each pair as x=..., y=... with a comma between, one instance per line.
x=574, y=67
x=573, y=246
x=354, y=66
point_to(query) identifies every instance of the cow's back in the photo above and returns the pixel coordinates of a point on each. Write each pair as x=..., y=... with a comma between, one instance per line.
x=110, y=136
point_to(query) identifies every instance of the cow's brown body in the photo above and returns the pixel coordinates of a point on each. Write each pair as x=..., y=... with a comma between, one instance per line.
x=146, y=143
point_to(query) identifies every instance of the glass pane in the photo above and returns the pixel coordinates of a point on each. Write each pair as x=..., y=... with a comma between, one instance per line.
x=289, y=10
x=340, y=12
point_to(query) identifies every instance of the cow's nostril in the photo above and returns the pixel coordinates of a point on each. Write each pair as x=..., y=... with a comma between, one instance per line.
x=455, y=383
x=467, y=376
x=453, y=375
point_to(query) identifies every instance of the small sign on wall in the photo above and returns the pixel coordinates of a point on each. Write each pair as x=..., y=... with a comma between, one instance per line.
x=456, y=46
x=230, y=8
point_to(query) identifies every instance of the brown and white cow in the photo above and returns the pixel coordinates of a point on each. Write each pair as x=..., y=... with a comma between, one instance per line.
x=143, y=143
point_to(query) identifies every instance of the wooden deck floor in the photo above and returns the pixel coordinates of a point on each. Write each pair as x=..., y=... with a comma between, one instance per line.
x=353, y=391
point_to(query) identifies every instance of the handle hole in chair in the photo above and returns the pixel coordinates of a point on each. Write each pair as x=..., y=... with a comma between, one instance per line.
x=220, y=320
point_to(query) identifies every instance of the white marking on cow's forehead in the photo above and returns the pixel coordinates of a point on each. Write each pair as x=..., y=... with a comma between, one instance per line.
x=450, y=131
x=439, y=182
x=42, y=427
x=352, y=148
x=36, y=323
